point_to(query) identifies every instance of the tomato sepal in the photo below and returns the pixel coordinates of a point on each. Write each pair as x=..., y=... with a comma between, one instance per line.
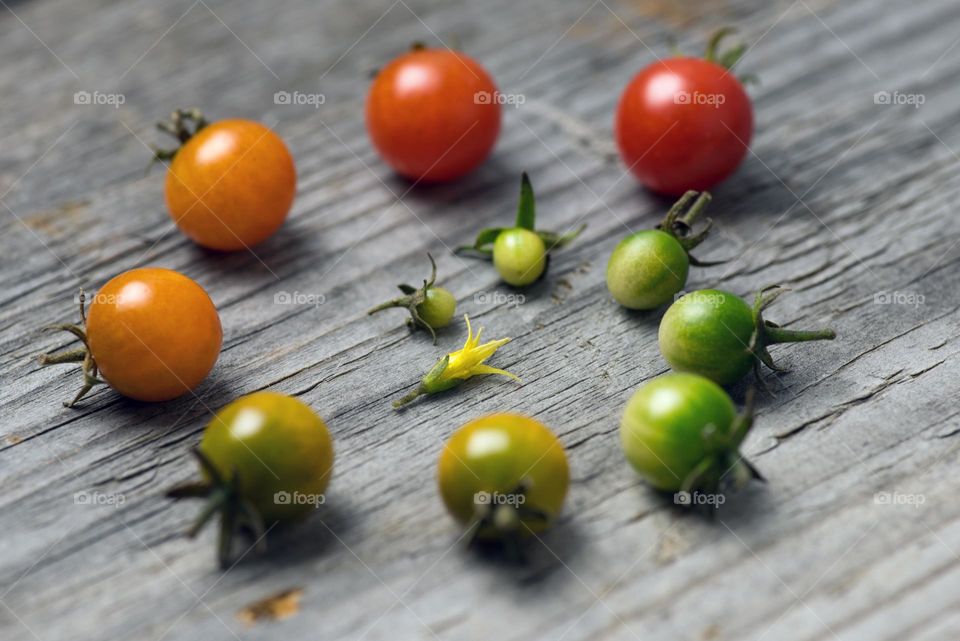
x=725, y=467
x=183, y=125
x=222, y=497
x=82, y=355
x=768, y=333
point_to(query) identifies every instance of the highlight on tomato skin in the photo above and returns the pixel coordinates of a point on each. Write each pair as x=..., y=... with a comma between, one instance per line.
x=433, y=115
x=151, y=334
x=231, y=183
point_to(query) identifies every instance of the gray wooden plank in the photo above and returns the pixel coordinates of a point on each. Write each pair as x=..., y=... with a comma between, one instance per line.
x=843, y=198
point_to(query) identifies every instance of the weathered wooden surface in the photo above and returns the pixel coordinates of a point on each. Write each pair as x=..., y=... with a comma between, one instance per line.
x=844, y=198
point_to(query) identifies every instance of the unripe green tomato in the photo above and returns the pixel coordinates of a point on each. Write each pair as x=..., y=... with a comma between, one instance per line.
x=647, y=269
x=708, y=332
x=519, y=256
x=494, y=455
x=275, y=444
x=667, y=426
x=438, y=308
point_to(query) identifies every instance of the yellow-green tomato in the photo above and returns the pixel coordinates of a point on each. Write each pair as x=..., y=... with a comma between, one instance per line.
x=647, y=269
x=708, y=332
x=278, y=447
x=670, y=425
x=488, y=459
x=519, y=256
x=437, y=308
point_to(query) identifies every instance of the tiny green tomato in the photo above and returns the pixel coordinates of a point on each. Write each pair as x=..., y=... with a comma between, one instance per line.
x=681, y=432
x=649, y=267
x=519, y=256
x=520, y=253
x=718, y=335
x=438, y=307
x=430, y=307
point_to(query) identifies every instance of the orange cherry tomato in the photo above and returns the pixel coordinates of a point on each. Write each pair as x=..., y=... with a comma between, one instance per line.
x=231, y=185
x=153, y=333
x=433, y=114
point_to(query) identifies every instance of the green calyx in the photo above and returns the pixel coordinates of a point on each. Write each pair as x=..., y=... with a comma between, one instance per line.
x=526, y=219
x=81, y=355
x=679, y=223
x=767, y=333
x=431, y=383
x=412, y=299
x=724, y=466
x=182, y=125
x=221, y=496
x=505, y=518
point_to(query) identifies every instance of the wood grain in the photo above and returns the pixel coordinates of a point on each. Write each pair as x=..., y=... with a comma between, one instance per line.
x=841, y=199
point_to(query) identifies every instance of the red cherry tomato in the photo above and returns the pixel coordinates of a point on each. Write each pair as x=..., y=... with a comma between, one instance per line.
x=231, y=185
x=433, y=114
x=684, y=123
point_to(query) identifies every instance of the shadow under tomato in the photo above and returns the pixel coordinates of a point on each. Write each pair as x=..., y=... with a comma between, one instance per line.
x=540, y=557
x=314, y=536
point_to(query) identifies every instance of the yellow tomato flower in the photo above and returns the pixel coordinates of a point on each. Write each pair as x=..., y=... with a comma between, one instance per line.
x=458, y=366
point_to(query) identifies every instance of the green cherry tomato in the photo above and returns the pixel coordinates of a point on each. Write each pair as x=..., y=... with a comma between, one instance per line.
x=505, y=474
x=279, y=449
x=647, y=269
x=708, y=332
x=519, y=256
x=716, y=334
x=677, y=427
x=438, y=307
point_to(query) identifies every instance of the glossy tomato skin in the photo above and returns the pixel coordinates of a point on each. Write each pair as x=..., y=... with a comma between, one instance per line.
x=708, y=332
x=665, y=423
x=432, y=114
x=683, y=123
x=519, y=256
x=647, y=269
x=154, y=333
x=231, y=185
x=275, y=444
x=438, y=308
x=495, y=454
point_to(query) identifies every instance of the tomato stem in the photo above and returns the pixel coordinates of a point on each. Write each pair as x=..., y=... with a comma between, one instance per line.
x=781, y=335
x=412, y=298
x=182, y=125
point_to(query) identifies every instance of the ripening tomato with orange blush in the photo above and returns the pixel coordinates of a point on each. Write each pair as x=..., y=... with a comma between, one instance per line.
x=231, y=183
x=685, y=123
x=433, y=114
x=151, y=334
